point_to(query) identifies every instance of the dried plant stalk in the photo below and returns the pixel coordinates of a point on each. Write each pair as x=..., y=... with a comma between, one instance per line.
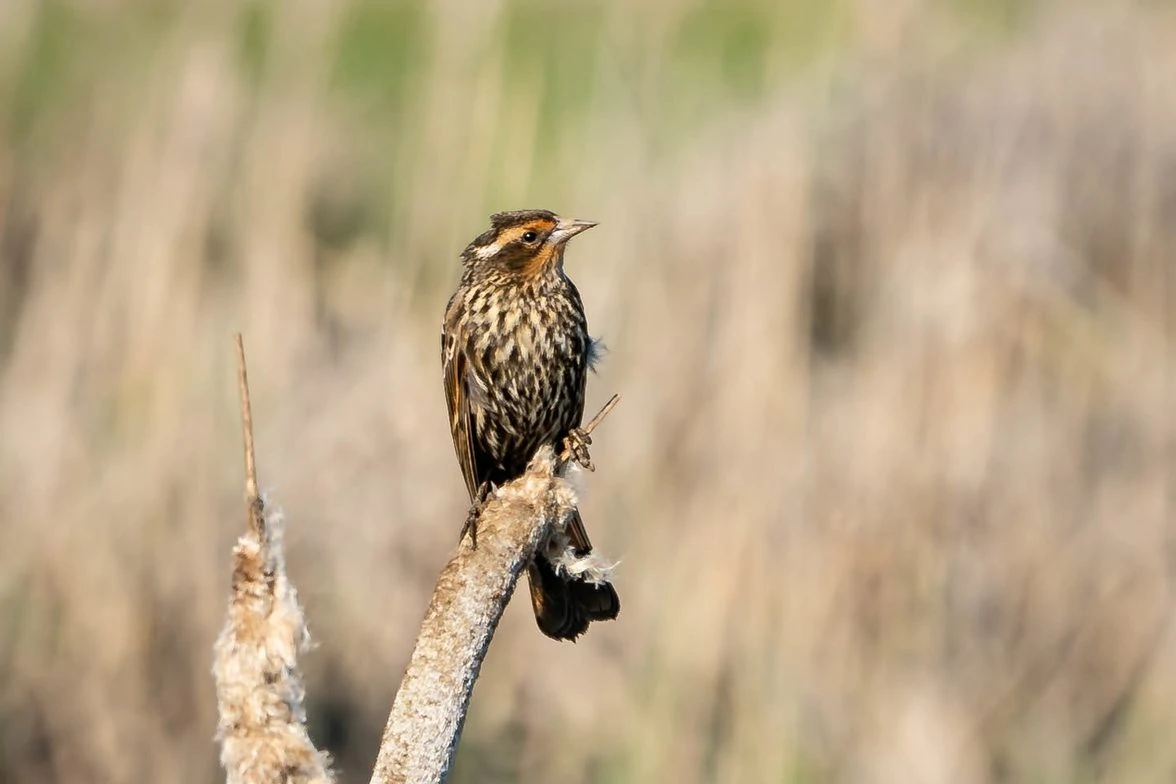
x=260, y=694
x=423, y=728
x=420, y=738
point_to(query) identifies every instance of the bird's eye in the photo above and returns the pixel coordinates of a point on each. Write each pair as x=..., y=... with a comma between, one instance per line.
x=529, y=236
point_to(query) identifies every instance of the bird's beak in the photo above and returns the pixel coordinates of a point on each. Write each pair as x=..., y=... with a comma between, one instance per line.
x=566, y=229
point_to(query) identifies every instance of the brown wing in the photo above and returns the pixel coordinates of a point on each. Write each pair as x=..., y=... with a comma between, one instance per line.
x=457, y=398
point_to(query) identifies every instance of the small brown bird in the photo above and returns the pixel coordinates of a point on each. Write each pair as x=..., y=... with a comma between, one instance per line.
x=516, y=353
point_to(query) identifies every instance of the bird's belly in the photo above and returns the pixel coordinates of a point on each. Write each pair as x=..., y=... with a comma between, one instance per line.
x=534, y=396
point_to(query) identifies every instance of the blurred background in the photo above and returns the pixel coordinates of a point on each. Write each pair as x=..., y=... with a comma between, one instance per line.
x=888, y=288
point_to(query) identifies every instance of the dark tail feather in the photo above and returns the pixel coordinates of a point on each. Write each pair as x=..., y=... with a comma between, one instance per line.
x=564, y=606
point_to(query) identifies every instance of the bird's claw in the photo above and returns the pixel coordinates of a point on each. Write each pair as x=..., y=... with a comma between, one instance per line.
x=575, y=447
x=471, y=523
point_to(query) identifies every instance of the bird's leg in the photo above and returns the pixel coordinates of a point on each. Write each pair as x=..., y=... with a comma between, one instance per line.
x=575, y=447
x=471, y=523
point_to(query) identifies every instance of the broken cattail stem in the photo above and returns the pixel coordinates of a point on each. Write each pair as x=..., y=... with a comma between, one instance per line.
x=254, y=514
x=420, y=738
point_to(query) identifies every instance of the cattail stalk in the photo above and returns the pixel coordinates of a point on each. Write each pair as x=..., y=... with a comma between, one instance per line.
x=420, y=738
x=259, y=688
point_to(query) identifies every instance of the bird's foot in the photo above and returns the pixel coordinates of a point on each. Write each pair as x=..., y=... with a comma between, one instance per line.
x=575, y=447
x=471, y=523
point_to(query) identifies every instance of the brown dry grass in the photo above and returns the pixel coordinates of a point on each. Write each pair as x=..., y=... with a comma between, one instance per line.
x=891, y=484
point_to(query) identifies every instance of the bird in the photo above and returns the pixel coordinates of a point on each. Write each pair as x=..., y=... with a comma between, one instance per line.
x=515, y=355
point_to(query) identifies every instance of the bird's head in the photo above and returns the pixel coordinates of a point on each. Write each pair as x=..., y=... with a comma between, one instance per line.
x=528, y=243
